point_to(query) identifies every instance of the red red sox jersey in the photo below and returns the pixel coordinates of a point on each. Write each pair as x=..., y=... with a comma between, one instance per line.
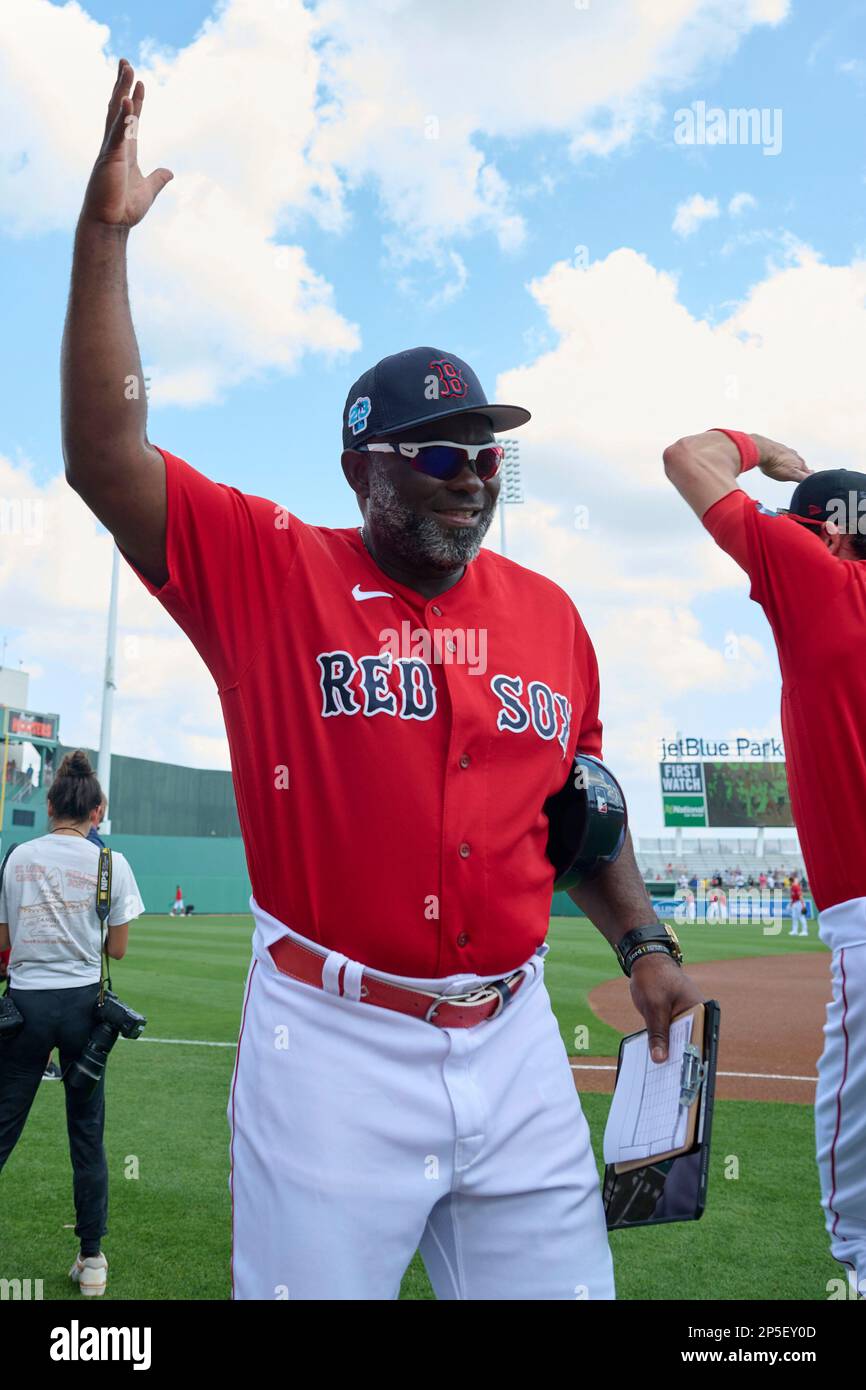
x=390, y=753
x=816, y=606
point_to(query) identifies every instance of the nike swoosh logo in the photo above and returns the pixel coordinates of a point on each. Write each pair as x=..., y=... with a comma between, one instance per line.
x=360, y=594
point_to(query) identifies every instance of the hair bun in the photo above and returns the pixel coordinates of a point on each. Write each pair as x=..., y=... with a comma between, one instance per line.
x=76, y=764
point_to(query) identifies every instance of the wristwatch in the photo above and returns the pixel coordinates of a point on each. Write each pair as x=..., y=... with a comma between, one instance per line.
x=645, y=941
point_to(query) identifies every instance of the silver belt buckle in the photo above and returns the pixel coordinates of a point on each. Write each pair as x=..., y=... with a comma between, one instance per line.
x=472, y=996
x=499, y=988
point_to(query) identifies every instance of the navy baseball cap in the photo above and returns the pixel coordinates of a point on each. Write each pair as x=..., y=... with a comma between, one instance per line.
x=827, y=496
x=413, y=388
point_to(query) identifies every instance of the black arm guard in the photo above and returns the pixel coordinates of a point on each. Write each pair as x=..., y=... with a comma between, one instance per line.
x=588, y=822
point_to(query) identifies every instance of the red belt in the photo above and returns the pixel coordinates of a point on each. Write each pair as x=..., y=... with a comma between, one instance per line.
x=443, y=1011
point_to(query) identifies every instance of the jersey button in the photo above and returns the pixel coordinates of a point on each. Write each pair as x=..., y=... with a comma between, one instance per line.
x=465, y=760
x=465, y=851
x=437, y=610
x=463, y=939
x=451, y=645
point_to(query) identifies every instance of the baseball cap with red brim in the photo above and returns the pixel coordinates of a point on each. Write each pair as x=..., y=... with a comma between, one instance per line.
x=414, y=387
x=831, y=494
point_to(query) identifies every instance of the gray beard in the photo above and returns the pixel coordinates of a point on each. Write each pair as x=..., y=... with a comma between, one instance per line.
x=419, y=540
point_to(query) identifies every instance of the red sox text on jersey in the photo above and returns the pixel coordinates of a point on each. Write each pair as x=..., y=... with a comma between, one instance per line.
x=361, y=686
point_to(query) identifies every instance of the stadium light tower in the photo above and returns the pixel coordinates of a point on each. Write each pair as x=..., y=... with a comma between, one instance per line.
x=511, y=491
x=103, y=769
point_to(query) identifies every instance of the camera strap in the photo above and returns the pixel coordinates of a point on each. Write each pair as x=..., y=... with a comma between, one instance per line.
x=2, y=872
x=103, y=907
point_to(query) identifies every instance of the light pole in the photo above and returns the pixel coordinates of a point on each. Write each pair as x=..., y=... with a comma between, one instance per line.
x=511, y=491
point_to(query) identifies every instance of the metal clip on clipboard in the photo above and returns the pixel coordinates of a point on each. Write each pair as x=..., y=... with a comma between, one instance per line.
x=691, y=1076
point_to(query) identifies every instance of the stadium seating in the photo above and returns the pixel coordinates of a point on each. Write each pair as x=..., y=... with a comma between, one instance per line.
x=705, y=856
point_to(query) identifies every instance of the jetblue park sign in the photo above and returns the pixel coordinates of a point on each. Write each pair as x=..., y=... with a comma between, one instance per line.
x=767, y=748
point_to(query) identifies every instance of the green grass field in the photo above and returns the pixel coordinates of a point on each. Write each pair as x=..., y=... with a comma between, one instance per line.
x=167, y=1141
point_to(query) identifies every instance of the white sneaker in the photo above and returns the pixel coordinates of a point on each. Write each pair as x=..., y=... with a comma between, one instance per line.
x=90, y=1275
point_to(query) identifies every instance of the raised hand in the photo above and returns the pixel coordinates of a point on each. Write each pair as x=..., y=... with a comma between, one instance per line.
x=118, y=194
x=779, y=462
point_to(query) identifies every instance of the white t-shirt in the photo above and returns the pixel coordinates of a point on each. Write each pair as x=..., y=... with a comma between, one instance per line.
x=48, y=899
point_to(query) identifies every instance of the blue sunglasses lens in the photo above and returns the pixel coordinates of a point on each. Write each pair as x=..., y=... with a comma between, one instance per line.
x=446, y=461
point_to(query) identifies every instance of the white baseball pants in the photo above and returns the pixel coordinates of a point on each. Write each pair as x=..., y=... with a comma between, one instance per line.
x=359, y=1134
x=840, y=1101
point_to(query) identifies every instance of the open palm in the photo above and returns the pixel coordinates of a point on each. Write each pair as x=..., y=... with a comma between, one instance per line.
x=118, y=194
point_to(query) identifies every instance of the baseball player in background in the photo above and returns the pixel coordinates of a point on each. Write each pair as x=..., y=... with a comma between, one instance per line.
x=807, y=572
x=799, y=925
x=399, y=705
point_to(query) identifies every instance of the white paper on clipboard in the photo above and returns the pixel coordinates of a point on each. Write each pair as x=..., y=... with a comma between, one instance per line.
x=646, y=1117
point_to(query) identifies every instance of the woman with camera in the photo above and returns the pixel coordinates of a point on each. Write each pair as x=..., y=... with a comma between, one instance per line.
x=48, y=915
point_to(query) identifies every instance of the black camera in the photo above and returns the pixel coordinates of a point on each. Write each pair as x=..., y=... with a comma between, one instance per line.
x=112, y=1018
x=11, y=1019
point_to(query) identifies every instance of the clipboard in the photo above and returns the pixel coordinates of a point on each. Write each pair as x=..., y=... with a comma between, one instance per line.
x=672, y=1186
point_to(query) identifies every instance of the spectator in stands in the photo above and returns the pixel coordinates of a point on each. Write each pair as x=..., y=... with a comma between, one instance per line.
x=762, y=879
x=693, y=883
x=771, y=881
x=48, y=918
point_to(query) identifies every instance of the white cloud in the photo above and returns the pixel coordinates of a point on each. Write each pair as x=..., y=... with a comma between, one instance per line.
x=692, y=212
x=274, y=114
x=740, y=203
x=633, y=369
x=217, y=297
x=600, y=69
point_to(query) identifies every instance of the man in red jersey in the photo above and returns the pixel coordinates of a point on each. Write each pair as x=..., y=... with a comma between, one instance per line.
x=399, y=705
x=807, y=572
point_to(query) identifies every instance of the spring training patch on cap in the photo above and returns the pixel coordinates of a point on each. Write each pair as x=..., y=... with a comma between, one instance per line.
x=359, y=412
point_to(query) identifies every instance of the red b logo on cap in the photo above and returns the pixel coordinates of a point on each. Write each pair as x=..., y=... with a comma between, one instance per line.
x=451, y=382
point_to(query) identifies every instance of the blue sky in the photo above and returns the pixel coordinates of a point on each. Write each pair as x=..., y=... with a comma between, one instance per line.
x=555, y=132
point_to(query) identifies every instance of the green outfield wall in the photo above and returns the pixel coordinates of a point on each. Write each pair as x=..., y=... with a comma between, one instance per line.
x=212, y=873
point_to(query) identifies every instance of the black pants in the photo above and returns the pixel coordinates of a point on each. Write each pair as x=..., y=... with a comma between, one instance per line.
x=58, y=1018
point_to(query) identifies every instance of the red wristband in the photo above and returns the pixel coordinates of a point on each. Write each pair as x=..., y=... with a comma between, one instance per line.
x=748, y=450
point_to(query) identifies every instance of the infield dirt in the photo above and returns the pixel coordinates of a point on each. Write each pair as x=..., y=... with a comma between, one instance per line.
x=772, y=1020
